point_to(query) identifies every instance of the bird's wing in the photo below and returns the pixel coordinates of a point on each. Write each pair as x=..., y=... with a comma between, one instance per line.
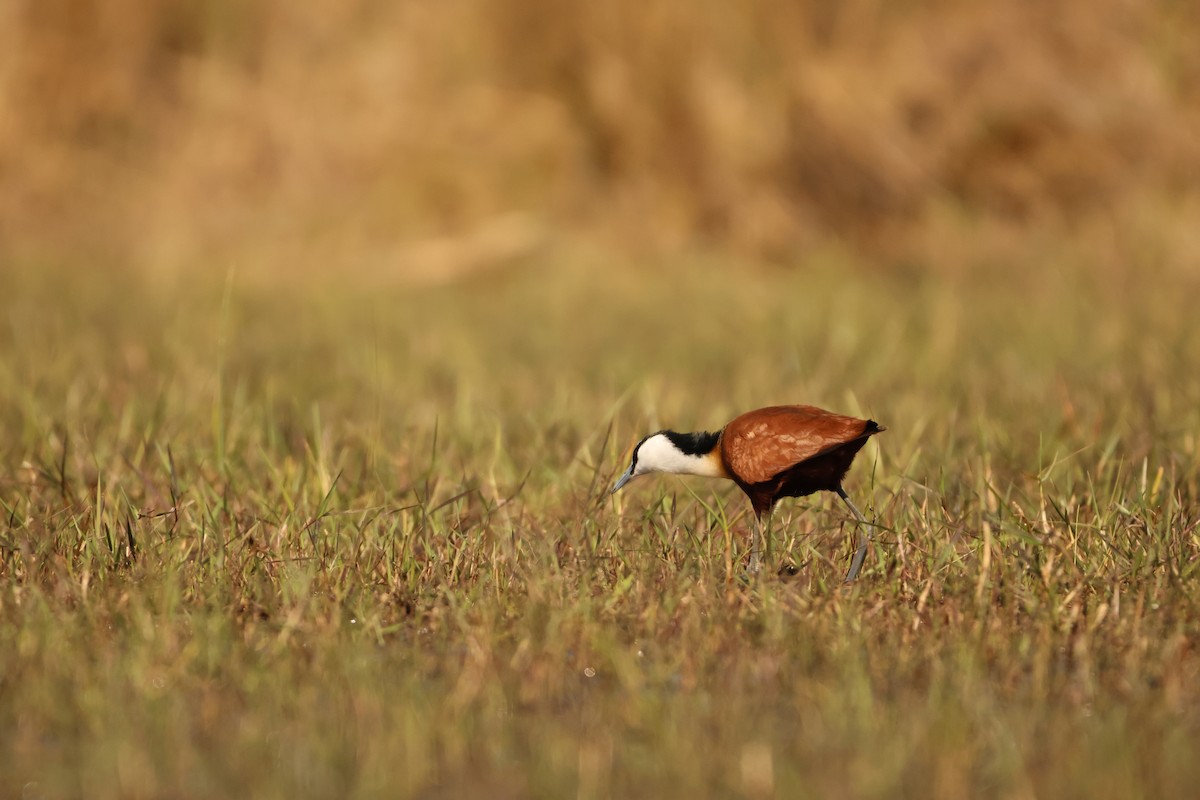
x=759, y=445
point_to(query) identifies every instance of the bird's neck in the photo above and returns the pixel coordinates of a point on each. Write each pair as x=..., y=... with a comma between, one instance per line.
x=708, y=465
x=696, y=454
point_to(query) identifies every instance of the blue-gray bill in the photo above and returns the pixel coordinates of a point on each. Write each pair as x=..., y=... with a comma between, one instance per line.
x=624, y=479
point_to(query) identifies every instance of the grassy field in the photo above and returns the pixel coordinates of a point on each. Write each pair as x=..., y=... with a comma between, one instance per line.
x=350, y=538
x=324, y=328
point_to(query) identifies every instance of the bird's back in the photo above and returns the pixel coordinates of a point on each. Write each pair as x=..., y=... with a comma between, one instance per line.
x=760, y=445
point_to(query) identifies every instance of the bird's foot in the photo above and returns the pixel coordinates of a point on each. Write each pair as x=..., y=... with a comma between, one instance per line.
x=788, y=570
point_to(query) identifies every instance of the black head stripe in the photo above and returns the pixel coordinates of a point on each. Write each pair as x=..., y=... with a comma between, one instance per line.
x=638, y=446
x=694, y=444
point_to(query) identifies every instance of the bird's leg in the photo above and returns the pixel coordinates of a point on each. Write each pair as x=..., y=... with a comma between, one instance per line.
x=864, y=540
x=757, y=538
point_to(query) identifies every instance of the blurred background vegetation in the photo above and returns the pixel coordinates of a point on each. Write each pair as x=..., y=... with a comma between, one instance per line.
x=432, y=140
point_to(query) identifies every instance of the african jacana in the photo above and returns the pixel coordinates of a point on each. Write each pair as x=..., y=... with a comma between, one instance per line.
x=771, y=453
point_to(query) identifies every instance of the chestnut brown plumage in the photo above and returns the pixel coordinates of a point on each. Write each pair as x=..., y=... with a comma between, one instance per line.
x=770, y=453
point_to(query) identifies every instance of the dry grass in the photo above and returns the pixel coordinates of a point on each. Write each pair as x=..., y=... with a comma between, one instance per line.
x=324, y=326
x=334, y=540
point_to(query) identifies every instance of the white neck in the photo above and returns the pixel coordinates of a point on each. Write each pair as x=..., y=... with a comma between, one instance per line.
x=658, y=454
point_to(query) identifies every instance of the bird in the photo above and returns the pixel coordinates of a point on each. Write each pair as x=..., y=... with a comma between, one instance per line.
x=770, y=453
